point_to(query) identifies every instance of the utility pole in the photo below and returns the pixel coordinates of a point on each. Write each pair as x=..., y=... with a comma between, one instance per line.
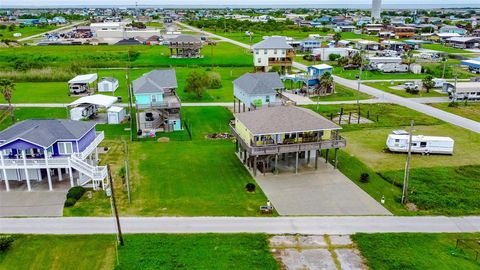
x=114, y=207
x=127, y=176
x=359, y=82
x=407, y=166
x=129, y=96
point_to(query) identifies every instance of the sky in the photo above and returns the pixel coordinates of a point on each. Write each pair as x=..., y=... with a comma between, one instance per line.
x=39, y=3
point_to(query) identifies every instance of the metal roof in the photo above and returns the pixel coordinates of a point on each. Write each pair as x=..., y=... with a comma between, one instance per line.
x=284, y=119
x=155, y=81
x=259, y=83
x=99, y=100
x=86, y=78
x=45, y=132
x=273, y=43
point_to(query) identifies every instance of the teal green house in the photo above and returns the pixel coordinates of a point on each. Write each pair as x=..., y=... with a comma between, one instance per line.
x=156, y=100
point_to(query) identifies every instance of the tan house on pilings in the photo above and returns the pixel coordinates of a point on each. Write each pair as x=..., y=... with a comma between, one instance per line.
x=270, y=138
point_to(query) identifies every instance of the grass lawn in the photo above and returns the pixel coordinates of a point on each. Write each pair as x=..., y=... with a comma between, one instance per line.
x=436, y=191
x=51, y=252
x=408, y=251
x=57, y=92
x=387, y=87
x=343, y=93
x=369, y=146
x=141, y=251
x=436, y=179
x=223, y=54
x=25, y=31
x=470, y=111
x=442, y=48
x=201, y=177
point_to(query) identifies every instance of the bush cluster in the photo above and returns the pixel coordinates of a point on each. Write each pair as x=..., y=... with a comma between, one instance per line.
x=5, y=242
x=74, y=194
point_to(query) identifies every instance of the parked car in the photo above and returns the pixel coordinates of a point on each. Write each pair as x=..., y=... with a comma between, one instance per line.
x=410, y=86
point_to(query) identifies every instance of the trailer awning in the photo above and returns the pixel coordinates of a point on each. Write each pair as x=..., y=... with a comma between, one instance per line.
x=99, y=100
x=86, y=78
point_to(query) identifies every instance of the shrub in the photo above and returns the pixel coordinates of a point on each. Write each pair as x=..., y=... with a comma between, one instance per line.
x=69, y=202
x=453, y=104
x=250, y=187
x=5, y=242
x=364, y=177
x=76, y=193
x=214, y=80
x=334, y=57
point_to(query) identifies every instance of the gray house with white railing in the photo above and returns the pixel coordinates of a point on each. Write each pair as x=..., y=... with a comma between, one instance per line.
x=157, y=103
x=51, y=151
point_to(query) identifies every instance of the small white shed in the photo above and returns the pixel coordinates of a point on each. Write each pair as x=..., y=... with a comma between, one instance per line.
x=107, y=84
x=115, y=115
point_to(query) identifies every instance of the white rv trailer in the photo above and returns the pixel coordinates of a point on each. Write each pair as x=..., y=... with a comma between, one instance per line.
x=397, y=141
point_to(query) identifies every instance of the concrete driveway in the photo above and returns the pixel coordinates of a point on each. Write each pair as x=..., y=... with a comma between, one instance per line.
x=322, y=192
x=33, y=203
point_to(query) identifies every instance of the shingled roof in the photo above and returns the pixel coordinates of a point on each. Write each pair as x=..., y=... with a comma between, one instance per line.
x=155, y=81
x=45, y=132
x=273, y=43
x=185, y=39
x=259, y=83
x=284, y=119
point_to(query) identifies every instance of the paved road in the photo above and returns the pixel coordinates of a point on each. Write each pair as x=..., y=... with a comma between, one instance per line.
x=52, y=31
x=391, y=98
x=276, y=225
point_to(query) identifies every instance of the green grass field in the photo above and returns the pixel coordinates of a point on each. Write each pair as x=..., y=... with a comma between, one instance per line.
x=409, y=251
x=153, y=251
x=201, y=177
x=388, y=87
x=470, y=111
x=25, y=31
x=442, y=48
x=57, y=92
x=442, y=190
x=343, y=93
x=437, y=180
x=223, y=54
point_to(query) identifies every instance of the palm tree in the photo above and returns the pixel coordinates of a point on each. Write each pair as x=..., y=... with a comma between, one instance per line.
x=337, y=37
x=326, y=82
x=7, y=87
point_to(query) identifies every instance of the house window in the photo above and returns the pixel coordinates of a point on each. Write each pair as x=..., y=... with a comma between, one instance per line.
x=265, y=51
x=256, y=52
x=423, y=144
x=274, y=51
x=65, y=148
x=259, y=60
x=397, y=140
x=153, y=98
x=267, y=99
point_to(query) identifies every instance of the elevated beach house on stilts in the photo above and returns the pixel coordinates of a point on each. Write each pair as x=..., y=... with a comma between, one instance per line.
x=51, y=150
x=158, y=106
x=185, y=46
x=272, y=137
x=256, y=90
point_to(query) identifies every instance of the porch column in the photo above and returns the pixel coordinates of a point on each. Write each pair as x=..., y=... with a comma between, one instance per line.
x=255, y=166
x=24, y=157
x=7, y=185
x=70, y=174
x=96, y=155
x=296, y=162
x=244, y=156
x=276, y=164
x=49, y=178
x=316, y=159
x=308, y=157
x=60, y=176
x=326, y=155
x=336, y=158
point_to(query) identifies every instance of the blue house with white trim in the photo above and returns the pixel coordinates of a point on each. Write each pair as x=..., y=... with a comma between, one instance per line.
x=51, y=149
x=157, y=102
